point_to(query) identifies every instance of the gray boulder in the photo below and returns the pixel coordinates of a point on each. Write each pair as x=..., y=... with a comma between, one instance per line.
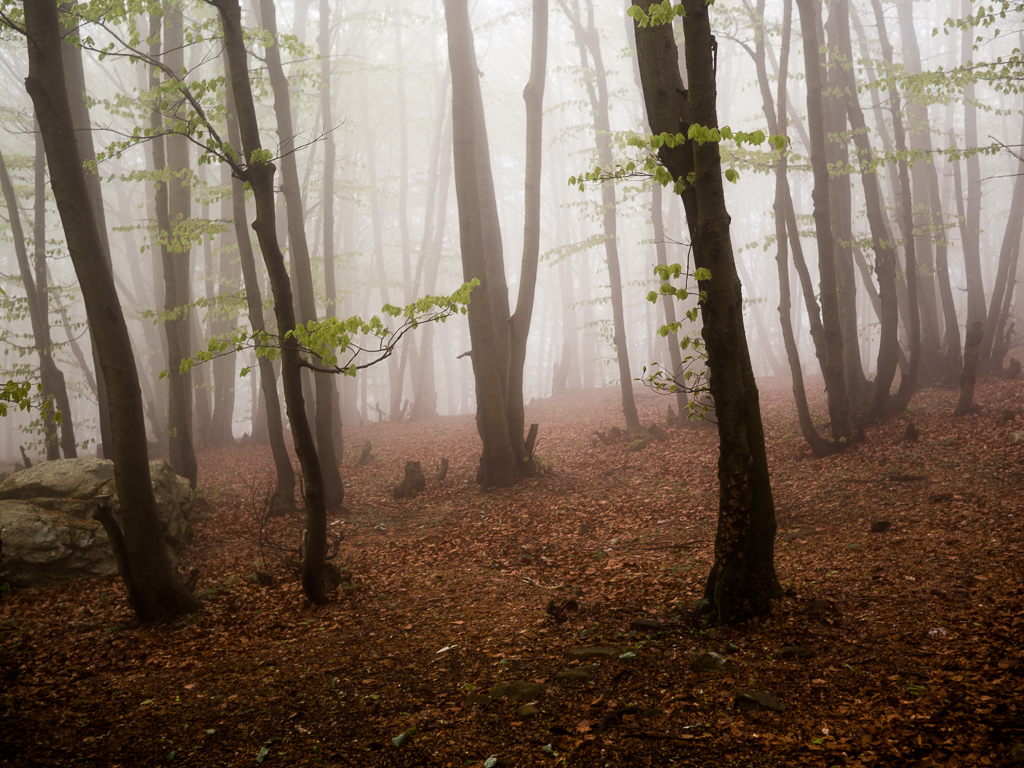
x=49, y=536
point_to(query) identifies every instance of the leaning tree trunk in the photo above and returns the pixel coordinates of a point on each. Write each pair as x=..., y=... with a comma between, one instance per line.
x=260, y=175
x=324, y=382
x=283, y=499
x=74, y=77
x=152, y=581
x=742, y=581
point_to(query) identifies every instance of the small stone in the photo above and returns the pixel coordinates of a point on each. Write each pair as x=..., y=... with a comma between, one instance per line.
x=637, y=445
x=853, y=545
x=749, y=701
x=803, y=533
x=880, y=526
x=794, y=652
x=481, y=699
x=711, y=662
x=645, y=625
x=587, y=672
x=1016, y=438
x=584, y=529
x=820, y=605
x=516, y=690
x=592, y=652
x=527, y=710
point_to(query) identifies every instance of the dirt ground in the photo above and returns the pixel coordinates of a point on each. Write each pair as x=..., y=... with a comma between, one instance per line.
x=908, y=640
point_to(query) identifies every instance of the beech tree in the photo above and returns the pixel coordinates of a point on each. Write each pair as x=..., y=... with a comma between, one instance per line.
x=742, y=581
x=154, y=588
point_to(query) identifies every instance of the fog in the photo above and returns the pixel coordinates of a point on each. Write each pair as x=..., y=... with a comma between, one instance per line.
x=395, y=211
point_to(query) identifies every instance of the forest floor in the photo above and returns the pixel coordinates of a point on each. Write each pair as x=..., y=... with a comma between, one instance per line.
x=912, y=635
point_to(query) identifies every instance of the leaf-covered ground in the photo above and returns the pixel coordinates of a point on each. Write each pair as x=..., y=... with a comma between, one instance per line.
x=914, y=633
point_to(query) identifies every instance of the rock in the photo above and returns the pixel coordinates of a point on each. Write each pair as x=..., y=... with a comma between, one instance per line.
x=46, y=513
x=749, y=701
x=711, y=662
x=794, y=652
x=637, y=445
x=645, y=625
x=1016, y=438
x=880, y=526
x=657, y=432
x=516, y=690
x=803, y=533
x=592, y=652
x=584, y=529
x=527, y=710
x=586, y=672
x=820, y=605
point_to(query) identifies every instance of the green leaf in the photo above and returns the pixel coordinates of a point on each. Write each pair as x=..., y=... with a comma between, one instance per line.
x=262, y=754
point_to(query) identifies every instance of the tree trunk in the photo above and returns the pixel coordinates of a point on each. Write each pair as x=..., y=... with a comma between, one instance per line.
x=588, y=40
x=270, y=414
x=481, y=253
x=324, y=382
x=668, y=302
x=969, y=375
x=519, y=323
x=51, y=377
x=160, y=593
x=260, y=175
x=175, y=254
x=74, y=77
x=833, y=367
x=742, y=580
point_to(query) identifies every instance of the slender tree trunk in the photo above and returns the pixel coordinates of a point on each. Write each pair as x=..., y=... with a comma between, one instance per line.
x=1003, y=284
x=668, y=302
x=969, y=375
x=228, y=285
x=833, y=368
x=176, y=256
x=269, y=416
x=324, y=382
x=152, y=581
x=970, y=226
x=260, y=175
x=51, y=378
x=519, y=323
x=588, y=41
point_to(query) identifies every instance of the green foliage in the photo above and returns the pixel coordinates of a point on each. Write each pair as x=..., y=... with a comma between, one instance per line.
x=656, y=15
x=17, y=393
x=646, y=162
x=690, y=378
x=323, y=343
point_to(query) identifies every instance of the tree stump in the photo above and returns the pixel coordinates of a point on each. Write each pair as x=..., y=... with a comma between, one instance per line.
x=414, y=482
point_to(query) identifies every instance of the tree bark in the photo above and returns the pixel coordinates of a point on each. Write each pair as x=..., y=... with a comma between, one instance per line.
x=260, y=175
x=51, y=377
x=324, y=382
x=742, y=580
x=176, y=198
x=161, y=595
x=481, y=253
x=969, y=375
x=588, y=40
x=833, y=366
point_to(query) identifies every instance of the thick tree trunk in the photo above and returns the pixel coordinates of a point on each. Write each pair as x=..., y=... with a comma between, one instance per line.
x=479, y=234
x=324, y=382
x=159, y=592
x=742, y=580
x=969, y=375
x=260, y=175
